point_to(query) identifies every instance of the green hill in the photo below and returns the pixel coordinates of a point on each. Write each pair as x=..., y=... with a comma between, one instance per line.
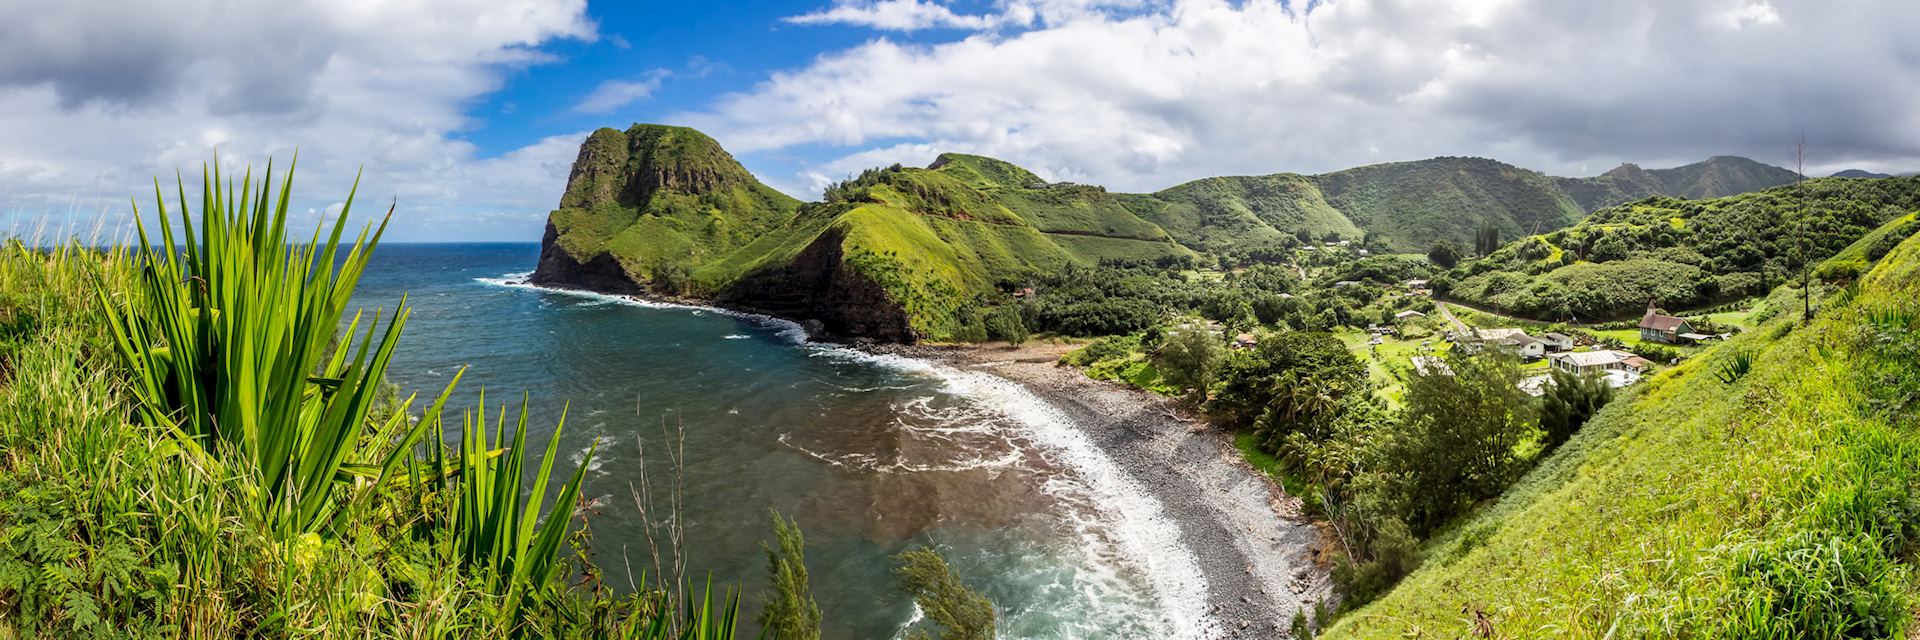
x=651, y=203
x=903, y=253
x=1411, y=205
x=1712, y=178
x=898, y=253
x=1779, y=498
x=1685, y=253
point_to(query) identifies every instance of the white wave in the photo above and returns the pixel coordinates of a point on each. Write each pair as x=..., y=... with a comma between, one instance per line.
x=787, y=329
x=1135, y=519
x=736, y=336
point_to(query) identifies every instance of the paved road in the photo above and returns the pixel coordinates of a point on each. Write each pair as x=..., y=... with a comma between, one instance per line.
x=1457, y=324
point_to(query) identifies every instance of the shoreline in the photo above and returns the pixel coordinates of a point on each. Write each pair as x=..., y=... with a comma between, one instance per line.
x=1252, y=542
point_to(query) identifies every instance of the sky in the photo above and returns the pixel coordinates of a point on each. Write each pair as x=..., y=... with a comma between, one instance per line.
x=464, y=116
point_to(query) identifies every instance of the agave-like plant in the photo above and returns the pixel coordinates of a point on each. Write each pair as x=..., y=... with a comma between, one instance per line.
x=228, y=329
x=497, y=531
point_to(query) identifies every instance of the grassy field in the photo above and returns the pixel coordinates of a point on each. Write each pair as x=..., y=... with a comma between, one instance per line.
x=1717, y=499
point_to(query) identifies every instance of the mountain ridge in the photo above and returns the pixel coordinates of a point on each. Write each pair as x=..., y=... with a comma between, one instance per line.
x=906, y=253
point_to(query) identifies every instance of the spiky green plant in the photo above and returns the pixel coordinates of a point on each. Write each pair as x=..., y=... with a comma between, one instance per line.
x=496, y=525
x=228, y=334
x=1735, y=367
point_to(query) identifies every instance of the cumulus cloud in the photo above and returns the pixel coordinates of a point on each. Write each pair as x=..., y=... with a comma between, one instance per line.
x=614, y=94
x=1144, y=95
x=99, y=97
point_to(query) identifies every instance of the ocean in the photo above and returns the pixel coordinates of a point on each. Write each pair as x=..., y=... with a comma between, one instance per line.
x=871, y=454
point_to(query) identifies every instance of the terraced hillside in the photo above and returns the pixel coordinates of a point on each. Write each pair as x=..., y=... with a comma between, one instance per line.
x=1766, y=488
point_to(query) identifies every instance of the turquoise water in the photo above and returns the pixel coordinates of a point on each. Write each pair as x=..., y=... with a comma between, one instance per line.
x=870, y=454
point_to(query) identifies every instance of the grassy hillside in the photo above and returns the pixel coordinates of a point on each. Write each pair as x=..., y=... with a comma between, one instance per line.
x=667, y=210
x=1212, y=214
x=1413, y=204
x=1775, y=498
x=661, y=198
x=1684, y=253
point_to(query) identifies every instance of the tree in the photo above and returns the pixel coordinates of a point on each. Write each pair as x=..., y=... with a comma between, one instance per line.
x=1445, y=253
x=1004, y=323
x=1302, y=366
x=1455, y=443
x=1572, y=399
x=1188, y=357
x=790, y=611
x=961, y=612
x=1487, y=239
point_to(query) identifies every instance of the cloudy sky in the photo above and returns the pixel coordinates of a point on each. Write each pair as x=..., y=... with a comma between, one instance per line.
x=466, y=113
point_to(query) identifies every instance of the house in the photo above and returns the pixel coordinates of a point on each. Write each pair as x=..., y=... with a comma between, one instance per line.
x=1023, y=292
x=1416, y=284
x=1659, y=327
x=1245, y=341
x=1347, y=283
x=1408, y=314
x=1557, y=342
x=1600, y=362
x=1523, y=345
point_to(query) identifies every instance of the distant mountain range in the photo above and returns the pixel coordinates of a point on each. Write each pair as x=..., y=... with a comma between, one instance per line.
x=1860, y=173
x=904, y=253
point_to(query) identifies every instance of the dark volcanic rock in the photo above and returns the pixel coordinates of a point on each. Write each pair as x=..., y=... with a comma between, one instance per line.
x=817, y=285
x=557, y=268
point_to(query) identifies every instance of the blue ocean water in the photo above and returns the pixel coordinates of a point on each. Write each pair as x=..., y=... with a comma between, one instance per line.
x=872, y=455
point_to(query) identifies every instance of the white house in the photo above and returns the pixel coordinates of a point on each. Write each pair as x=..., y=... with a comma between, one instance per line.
x=1557, y=342
x=1599, y=362
x=1408, y=314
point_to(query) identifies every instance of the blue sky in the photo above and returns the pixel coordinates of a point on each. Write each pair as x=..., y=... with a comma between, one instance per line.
x=466, y=114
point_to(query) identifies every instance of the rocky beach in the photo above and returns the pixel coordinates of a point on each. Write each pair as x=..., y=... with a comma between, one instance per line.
x=1251, y=540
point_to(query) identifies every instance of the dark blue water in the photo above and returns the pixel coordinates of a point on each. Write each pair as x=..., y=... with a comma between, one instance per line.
x=870, y=455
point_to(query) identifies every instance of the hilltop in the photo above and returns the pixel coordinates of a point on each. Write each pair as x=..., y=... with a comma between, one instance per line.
x=907, y=253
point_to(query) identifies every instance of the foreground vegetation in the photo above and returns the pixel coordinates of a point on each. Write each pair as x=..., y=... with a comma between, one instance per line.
x=193, y=445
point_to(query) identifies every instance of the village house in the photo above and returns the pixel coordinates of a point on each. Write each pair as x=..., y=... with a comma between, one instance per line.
x=1245, y=341
x=1523, y=345
x=1659, y=327
x=1404, y=315
x=1557, y=342
x=1599, y=361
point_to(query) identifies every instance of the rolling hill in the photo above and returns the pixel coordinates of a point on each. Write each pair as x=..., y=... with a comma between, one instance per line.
x=1685, y=253
x=905, y=253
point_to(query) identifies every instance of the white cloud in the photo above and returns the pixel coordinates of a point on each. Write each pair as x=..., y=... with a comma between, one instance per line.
x=96, y=100
x=896, y=15
x=1141, y=96
x=614, y=94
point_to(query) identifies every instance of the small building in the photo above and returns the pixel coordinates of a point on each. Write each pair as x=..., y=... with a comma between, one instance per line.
x=1245, y=341
x=1662, y=328
x=1599, y=362
x=1415, y=284
x=1023, y=292
x=1557, y=342
x=1408, y=314
x=1347, y=283
x=1523, y=345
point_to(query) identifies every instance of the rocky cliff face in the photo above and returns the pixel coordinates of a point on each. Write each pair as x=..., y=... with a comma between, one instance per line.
x=654, y=200
x=817, y=285
x=558, y=268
